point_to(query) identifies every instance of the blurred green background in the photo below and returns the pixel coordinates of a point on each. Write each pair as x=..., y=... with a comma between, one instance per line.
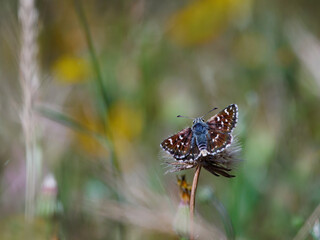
x=113, y=77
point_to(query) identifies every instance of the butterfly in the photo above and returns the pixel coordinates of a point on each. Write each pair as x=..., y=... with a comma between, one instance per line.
x=203, y=138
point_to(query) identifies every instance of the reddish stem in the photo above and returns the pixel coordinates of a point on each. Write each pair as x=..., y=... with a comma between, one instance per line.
x=193, y=200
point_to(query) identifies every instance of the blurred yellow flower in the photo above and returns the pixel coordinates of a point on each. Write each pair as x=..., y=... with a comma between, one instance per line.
x=71, y=69
x=125, y=126
x=125, y=122
x=85, y=141
x=181, y=221
x=184, y=189
x=203, y=20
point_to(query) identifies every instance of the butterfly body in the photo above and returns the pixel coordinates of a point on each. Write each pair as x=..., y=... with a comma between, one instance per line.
x=200, y=135
x=203, y=138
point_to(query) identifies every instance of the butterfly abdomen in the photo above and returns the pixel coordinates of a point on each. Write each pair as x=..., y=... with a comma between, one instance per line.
x=201, y=141
x=200, y=133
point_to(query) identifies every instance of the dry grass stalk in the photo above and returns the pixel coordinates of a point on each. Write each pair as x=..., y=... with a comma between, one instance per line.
x=158, y=219
x=193, y=200
x=307, y=48
x=305, y=229
x=29, y=80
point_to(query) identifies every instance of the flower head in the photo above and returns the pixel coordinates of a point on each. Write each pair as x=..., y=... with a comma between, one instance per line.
x=219, y=164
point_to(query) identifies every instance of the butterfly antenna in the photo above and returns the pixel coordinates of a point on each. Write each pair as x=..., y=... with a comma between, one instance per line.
x=179, y=116
x=215, y=108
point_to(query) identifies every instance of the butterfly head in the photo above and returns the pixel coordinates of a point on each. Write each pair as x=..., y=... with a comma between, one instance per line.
x=197, y=120
x=199, y=126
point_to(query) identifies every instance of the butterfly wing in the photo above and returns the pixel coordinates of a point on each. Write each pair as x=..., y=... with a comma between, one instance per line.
x=226, y=120
x=220, y=127
x=218, y=141
x=181, y=145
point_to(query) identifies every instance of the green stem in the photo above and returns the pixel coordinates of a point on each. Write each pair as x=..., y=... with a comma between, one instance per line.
x=103, y=93
x=99, y=80
x=94, y=59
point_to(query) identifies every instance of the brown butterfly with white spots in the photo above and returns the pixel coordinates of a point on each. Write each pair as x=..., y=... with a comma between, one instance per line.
x=203, y=138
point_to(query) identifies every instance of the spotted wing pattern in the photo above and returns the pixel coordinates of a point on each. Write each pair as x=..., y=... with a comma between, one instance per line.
x=224, y=121
x=217, y=141
x=220, y=127
x=181, y=145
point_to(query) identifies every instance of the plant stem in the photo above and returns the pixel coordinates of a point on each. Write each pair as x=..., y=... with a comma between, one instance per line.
x=94, y=60
x=308, y=225
x=29, y=81
x=102, y=91
x=193, y=200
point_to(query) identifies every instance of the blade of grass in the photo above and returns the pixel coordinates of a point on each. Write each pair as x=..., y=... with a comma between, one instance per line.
x=102, y=91
x=94, y=60
x=73, y=124
x=226, y=220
